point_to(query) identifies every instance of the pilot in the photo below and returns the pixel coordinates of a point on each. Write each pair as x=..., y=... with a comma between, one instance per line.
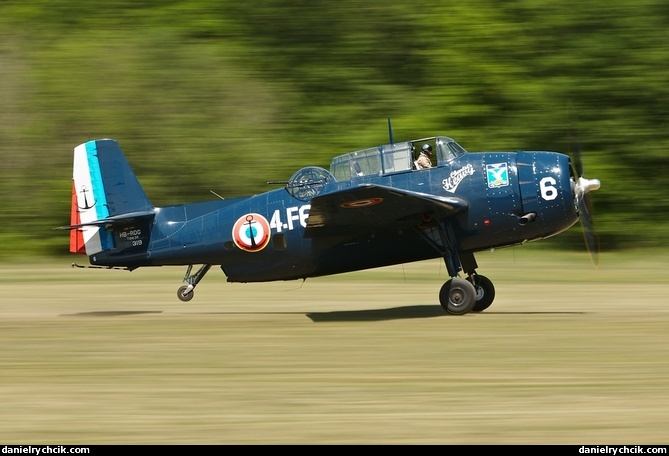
x=423, y=161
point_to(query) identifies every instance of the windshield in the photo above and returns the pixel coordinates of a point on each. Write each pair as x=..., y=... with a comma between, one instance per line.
x=448, y=149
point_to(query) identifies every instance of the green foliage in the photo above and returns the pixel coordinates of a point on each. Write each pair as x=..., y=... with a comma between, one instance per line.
x=219, y=95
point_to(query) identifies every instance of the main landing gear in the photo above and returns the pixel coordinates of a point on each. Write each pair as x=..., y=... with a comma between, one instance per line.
x=458, y=296
x=186, y=292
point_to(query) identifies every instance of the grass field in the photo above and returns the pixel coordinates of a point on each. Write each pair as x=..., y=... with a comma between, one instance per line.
x=567, y=354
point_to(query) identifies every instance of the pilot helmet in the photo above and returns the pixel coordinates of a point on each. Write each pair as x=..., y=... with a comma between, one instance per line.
x=427, y=149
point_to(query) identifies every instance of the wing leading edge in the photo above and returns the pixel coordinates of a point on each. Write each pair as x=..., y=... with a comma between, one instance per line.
x=371, y=206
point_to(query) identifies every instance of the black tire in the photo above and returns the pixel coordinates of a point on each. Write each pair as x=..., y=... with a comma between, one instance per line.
x=182, y=295
x=485, y=293
x=457, y=296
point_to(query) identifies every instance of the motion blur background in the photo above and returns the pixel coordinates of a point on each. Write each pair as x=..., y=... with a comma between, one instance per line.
x=223, y=95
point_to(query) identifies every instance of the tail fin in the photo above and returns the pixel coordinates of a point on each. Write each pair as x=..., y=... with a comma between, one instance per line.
x=106, y=197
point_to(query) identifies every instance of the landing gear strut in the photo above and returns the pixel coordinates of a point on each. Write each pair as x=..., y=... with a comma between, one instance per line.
x=458, y=296
x=186, y=292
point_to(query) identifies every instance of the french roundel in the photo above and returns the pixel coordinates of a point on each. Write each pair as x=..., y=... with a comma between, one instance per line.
x=251, y=232
x=361, y=203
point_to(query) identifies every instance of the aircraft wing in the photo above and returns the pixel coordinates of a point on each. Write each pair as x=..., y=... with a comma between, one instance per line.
x=376, y=206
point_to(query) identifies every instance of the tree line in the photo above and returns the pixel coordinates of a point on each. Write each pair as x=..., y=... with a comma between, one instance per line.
x=224, y=96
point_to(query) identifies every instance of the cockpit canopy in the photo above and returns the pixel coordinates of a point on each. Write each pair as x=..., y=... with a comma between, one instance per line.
x=392, y=158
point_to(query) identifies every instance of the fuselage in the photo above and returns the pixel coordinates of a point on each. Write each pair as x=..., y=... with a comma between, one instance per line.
x=512, y=198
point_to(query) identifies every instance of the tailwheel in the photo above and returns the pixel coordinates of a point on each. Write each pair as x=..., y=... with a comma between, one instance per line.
x=485, y=292
x=185, y=294
x=457, y=296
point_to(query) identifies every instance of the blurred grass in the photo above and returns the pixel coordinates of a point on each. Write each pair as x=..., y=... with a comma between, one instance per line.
x=567, y=354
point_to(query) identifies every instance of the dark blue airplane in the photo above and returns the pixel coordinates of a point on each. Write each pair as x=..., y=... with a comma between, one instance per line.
x=372, y=208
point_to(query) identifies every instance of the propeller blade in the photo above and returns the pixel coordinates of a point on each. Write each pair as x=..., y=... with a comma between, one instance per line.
x=575, y=147
x=581, y=189
x=589, y=234
x=574, y=144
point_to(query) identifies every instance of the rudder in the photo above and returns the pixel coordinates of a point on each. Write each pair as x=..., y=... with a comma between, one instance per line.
x=105, y=190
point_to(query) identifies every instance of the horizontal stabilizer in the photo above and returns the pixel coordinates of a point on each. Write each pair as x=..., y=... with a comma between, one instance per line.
x=110, y=221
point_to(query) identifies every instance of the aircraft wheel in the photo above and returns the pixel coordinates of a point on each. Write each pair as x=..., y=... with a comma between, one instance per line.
x=457, y=296
x=185, y=297
x=485, y=293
